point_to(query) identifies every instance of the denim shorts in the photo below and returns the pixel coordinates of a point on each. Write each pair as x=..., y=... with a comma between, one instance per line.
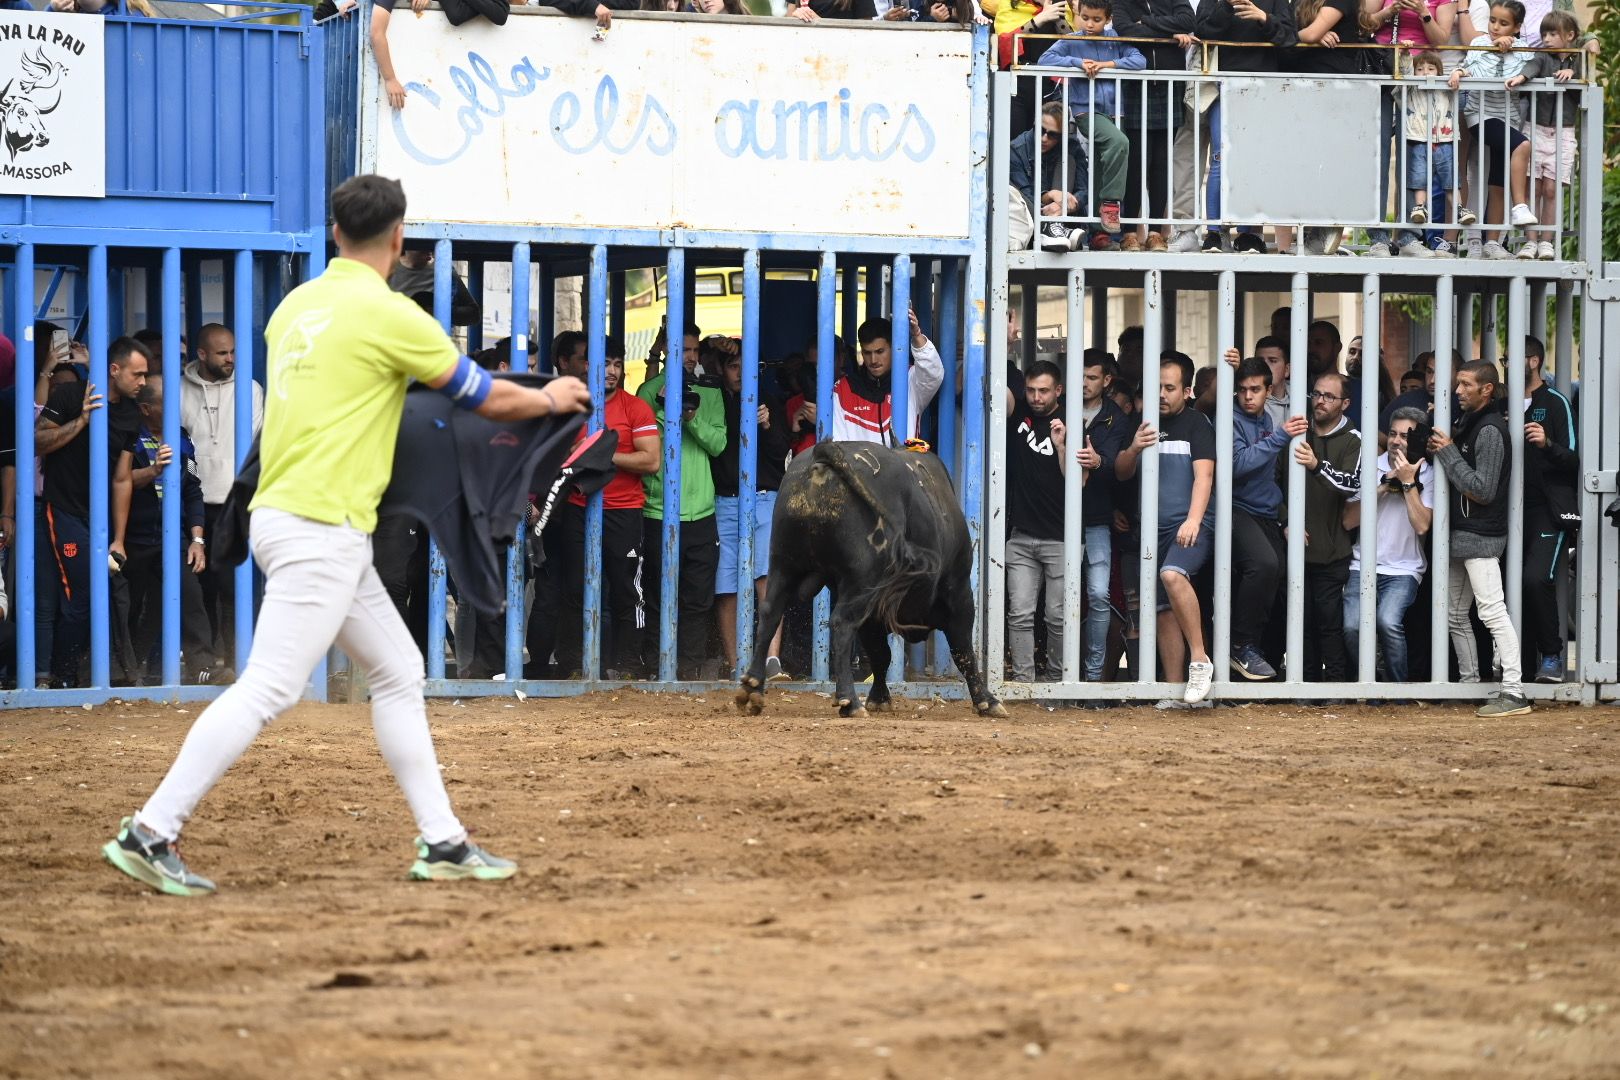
x=1421, y=157
x=725, y=519
x=1186, y=561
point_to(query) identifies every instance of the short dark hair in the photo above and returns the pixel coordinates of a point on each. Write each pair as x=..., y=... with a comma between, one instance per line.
x=152, y=338
x=1130, y=333
x=1344, y=381
x=875, y=330
x=1181, y=362
x=1325, y=325
x=1044, y=367
x=366, y=206
x=1252, y=367
x=1534, y=347
x=1512, y=7
x=1100, y=358
x=120, y=351
x=613, y=348
x=566, y=342
x=693, y=331
x=1106, y=6
x=1415, y=373
x=1272, y=342
x=1484, y=371
x=492, y=358
x=208, y=330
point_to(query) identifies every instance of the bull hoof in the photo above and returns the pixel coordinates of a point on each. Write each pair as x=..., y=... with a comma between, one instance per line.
x=852, y=710
x=880, y=706
x=750, y=699
x=993, y=708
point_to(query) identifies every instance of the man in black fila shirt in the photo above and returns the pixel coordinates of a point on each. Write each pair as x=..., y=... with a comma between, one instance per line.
x=1036, y=456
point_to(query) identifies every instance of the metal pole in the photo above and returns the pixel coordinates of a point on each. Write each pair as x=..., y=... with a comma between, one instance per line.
x=475, y=287
x=900, y=346
x=172, y=495
x=616, y=309
x=546, y=323
x=596, y=378
x=950, y=333
x=518, y=360
x=1516, y=320
x=1220, y=648
x=826, y=376
x=1440, y=529
x=747, y=460
x=1564, y=358
x=1073, y=481
x=1147, y=468
x=437, y=574
x=1538, y=319
x=1298, y=405
x=1372, y=301
x=674, y=390
x=851, y=295
x=100, y=485
x=247, y=341
x=24, y=548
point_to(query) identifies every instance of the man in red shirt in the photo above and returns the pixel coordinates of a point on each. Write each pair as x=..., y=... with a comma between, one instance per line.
x=640, y=453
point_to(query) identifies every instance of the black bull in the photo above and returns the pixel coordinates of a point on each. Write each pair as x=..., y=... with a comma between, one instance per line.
x=882, y=531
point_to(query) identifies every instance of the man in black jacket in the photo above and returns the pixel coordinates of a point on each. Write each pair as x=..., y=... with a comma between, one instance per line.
x=1172, y=20
x=1064, y=186
x=1551, y=510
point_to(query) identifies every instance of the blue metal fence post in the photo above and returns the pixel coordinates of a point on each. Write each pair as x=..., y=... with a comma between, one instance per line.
x=949, y=322
x=437, y=575
x=900, y=404
x=246, y=344
x=518, y=361
x=747, y=460
x=826, y=375
x=101, y=493
x=973, y=384
x=172, y=495
x=23, y=546
x=670, y=540
x=596, y=303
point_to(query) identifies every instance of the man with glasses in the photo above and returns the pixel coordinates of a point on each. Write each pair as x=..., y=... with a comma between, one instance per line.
x=1064, y=183
x=1331, y=453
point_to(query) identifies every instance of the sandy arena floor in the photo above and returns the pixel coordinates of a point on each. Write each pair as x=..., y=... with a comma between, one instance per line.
x=1241, y=892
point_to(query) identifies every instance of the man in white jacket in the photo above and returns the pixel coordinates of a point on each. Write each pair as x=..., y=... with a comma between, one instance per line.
x=208, y=412
x=862, y=406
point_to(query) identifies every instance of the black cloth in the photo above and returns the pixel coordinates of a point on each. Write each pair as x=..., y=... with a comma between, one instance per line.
x=830, y=9
x=1316, y=60
x=460, y=11
x=1156, y=19
x=1325, y=657
x=771, y=447
x=1259, y=558
x=1482, y=519
x=144, y=573
x=466, y=478
x=1110, y=431
x=67, y=471
x=621, y=589
x=1545, y=66
x=1034, y=474
x=145, y=525
x=399, y=554
x=1544, y=564
x=587, y=469
x=1551, y=472
x=1218, y=22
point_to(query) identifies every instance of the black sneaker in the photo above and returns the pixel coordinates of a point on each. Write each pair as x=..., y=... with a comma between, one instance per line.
x=1249, y=242
x=1212, y=242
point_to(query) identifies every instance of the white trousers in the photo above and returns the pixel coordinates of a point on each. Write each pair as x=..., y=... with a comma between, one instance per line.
x=1481, y=580
x=320, y=587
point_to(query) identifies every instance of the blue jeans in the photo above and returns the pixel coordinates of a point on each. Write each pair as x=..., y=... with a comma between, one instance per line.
x=1212, y=189
x=1099, y=566
x=1395, y=594
x=1428, y=168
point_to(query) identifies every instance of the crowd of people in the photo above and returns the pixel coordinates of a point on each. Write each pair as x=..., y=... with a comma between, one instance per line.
x=1106, y=148
x=1475, y=455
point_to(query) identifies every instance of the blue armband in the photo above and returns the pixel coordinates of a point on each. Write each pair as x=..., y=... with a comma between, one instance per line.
x=468, y=385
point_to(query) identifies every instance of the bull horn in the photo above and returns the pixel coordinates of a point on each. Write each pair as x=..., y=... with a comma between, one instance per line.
x=54, y=104
x=5, y=91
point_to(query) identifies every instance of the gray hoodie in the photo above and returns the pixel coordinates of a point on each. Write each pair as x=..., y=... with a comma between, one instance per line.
x=208, y=412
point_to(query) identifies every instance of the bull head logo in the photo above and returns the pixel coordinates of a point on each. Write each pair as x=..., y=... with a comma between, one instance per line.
x=22, y=110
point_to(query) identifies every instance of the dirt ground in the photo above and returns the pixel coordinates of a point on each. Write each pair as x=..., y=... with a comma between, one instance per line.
x=1256, y=891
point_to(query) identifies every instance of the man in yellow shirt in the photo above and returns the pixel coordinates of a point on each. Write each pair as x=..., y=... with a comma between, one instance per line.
x=341, y=350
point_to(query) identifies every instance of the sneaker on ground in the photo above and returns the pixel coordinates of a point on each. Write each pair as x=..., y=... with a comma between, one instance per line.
x=1184, y=242
x=152, y=860
x=1108, y=212
x=1493, y=249
x=1054, y=237
x=1419, y=215
x=1521, y=215
x=1442, y=250
x=1466, y=216
x=456, y=862
x=1545, y=250
x=1414, y=249
x=1380, y=250
x=1166, y=704
x=1504, y=705
x=1199, y=674
x=773, y=670
x=1472, y=249
x=1213, y=241
x=1551, y=670
x=1527, y=250
x=1249, y=663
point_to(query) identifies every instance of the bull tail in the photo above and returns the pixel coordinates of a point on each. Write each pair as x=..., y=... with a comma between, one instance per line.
x=908, y=564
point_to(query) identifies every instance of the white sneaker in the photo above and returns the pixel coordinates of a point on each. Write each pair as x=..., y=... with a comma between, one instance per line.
x=1419, y=215
x=1379, y=250
x=1466, y=216
x=1185, y=241
x=1442, y=250
x=1527, y=250
x=1494, y=250
x=1167, y=704
x=1414, y=249
x=1545, y=250
x=1199, y=674
x=1521, y=215
x=1471, y=248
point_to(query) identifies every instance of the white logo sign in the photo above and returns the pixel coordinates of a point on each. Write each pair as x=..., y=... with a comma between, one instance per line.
x=53, y=88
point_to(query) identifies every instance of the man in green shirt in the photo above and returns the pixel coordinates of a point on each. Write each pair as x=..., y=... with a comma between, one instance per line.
x=341, y=350
x=703, y=436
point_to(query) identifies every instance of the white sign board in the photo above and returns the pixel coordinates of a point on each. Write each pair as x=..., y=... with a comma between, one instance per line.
x=53, y=97
x=700, y=124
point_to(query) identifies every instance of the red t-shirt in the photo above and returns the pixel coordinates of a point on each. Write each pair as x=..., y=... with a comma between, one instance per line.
x=630, y=417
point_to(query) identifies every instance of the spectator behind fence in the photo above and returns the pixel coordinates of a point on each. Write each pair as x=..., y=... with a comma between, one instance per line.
x=1552, y=512
x=1331, y=455
x=768, y=431
x=1259, y=551
x=1186, y=447
x=1420, y=25
x=1063, y=181
x=208, y=413
x=1478, y=464
x=1093, y=104
x=1267, y=23
x=862, y=398
x=1405, y=512
x=1499, y=126
x=1153, y=110
x=1037, y=458
x=1108, y=430
x=62, y=567
x=1413, y=381
x=555, y=583
x=413, y=275
x=1554, y=148
x=703, y=435
x=93, y=7
x=815, y=10
x=1273, y=352
x=1430, y=133
x=144, y=568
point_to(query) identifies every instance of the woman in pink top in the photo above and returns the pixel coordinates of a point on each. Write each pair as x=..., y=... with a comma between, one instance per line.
x=1422, y=24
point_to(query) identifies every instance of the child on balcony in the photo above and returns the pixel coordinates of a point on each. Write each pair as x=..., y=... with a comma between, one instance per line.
x=1431, y=137
x=1493, y=116
x=1093, y=53
x=1553, y=135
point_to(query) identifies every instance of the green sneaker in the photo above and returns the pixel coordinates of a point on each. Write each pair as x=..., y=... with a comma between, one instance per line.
x=455, y=862
x=1504, y=705
x=151, y=860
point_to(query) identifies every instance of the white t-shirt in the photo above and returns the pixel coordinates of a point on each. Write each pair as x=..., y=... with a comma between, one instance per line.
x=1400, y=549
